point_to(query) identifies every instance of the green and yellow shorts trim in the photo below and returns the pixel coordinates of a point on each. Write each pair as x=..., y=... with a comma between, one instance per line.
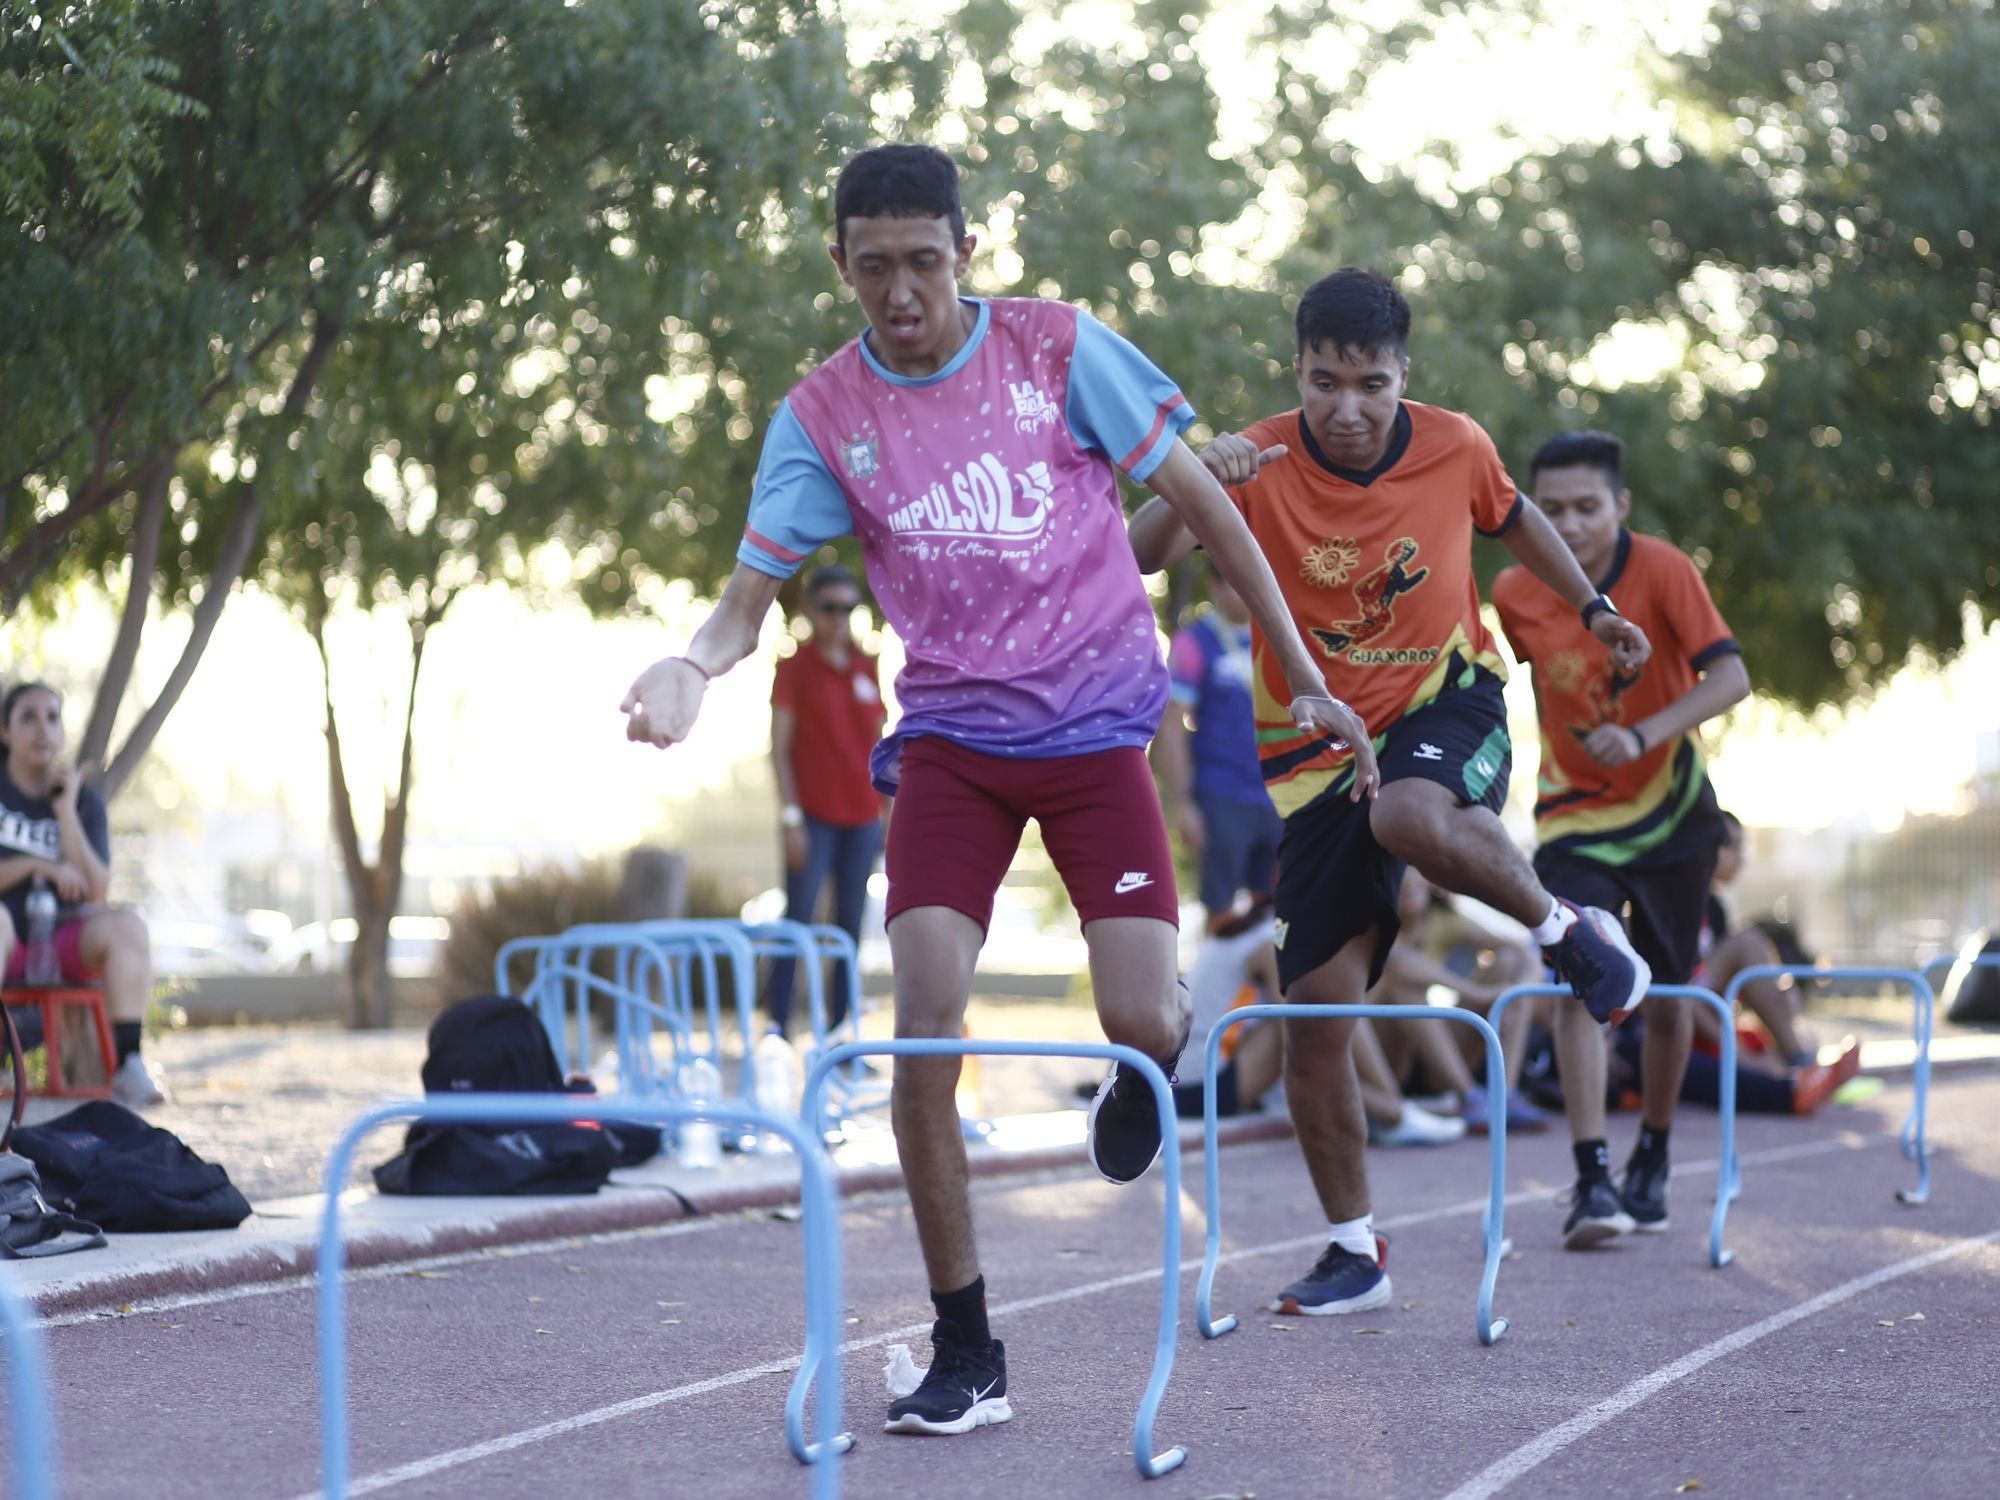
x=1334, y=881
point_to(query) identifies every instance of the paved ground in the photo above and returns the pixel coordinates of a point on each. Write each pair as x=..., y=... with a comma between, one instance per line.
x=655, y=1363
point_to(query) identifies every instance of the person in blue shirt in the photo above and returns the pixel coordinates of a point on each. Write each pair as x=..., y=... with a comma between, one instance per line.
x=1206, y=754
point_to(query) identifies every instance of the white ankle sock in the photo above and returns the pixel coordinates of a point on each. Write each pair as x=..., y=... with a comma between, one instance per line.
x=1357, y=1236
x=1554, y=925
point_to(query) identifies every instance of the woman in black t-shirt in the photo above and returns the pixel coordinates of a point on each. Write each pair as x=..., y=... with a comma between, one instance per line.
x=53, y=831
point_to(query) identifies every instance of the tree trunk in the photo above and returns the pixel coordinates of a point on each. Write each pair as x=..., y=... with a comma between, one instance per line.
x=245, y=522
x=371, y=994
x=376, y=889
x=146, y=527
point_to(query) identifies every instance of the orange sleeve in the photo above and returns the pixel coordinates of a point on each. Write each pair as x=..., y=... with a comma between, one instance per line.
x=1698, y=626
x=1496, y=499
x=1506, y=604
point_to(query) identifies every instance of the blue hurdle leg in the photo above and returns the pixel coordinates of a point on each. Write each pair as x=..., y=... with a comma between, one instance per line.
x=817, y=1197
x=1488, y=1328
x=1729, y=1175
x=30, y=1424
x=1151, y=1465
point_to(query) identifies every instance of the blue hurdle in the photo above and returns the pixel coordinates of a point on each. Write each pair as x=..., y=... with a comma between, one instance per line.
x=1488, y=1327
x=30, y=1424
x=1912, y=1133
x=822, y=1242
x=1149, y=1464
x=1730, y=1183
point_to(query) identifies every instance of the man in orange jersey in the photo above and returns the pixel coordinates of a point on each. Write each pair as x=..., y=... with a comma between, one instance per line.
x=1625, y=817
x=1366, y=504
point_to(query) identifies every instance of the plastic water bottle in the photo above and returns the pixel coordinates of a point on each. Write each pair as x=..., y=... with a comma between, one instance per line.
x=43, y=969
x=701, y=1140
x=777, y=1084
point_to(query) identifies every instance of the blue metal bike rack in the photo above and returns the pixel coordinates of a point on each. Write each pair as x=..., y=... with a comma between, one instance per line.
x=1912, y=1134
x=1488, y=1327
x=1149, y=1464
x=30, y=1425
x=1730, y=1178
x=819, y=1202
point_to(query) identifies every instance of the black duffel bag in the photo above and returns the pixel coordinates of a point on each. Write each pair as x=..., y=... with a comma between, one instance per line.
x=105, y=1164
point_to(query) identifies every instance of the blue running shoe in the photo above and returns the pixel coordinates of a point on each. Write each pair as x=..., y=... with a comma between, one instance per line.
x=1596, y=960
x=1339, y=1282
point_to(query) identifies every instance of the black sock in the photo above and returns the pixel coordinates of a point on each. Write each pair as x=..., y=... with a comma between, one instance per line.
x=1593, y=1161
x=1652, y=1145
x=125, y=1038
x=966, y=1308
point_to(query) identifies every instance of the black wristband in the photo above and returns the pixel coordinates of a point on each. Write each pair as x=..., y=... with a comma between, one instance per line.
x=1638, y=734
x=1600, y=605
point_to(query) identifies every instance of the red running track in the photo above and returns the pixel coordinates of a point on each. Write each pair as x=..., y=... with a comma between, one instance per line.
x=656, y=1363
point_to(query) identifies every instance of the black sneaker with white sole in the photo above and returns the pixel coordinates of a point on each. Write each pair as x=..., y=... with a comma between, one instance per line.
x=1124, y=1124
x=1339, y=1282
x=965, y=1387
x=1597, y=961
x=1595, y=1215
x=1643, y=1194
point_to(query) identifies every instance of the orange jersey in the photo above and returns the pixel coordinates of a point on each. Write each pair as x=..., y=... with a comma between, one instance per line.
x=1377, y=571
x=1614, y=813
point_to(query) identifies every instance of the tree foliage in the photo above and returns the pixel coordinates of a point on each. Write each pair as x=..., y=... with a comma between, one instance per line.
x=1815, y=244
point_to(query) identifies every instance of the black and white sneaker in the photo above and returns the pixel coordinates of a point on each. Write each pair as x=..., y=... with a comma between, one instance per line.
x=1339, y=1282
x=1599, y=964
x=1643, y=1194
x=965, y=1387
x=1124, y=1124
x=1595, y=1215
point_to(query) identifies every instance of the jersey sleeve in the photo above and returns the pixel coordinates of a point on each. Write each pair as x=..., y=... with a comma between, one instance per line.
x=1119, y=403
x=1186, y=667
x=1506, y=596
x=1698, y=626
x=796, y=505
x=1496, y=499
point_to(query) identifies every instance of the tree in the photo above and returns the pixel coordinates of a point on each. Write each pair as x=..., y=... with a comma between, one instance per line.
x=1811, y=242
x=213, y=195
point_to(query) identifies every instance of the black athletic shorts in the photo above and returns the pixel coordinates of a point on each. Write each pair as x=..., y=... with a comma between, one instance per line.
x=1334, y=881
x=1662, y=899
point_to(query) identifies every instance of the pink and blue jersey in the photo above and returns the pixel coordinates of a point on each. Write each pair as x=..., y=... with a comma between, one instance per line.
x=988, y=513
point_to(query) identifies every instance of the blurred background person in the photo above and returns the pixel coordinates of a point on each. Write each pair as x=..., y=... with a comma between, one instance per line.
x=826, y=716
x=1206, y=756
x=54, y=835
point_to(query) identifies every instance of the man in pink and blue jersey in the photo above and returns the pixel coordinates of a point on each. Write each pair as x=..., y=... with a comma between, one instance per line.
x=972, y=447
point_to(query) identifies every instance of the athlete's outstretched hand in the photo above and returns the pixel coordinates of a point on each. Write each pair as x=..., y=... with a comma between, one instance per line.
x=1233, y=459
x=661, y=705
x=1320, y=711
x=1628, y=643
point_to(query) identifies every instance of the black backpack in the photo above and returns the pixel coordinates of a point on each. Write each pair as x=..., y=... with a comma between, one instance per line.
x=106, y=1164
x=496, y=1044
x=29, y=1227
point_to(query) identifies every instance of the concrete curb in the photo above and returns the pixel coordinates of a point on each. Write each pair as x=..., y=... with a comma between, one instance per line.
x=284, y=1236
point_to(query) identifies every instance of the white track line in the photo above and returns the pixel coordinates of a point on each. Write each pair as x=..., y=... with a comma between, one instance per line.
x=1496, y=1477
x=472, y=1453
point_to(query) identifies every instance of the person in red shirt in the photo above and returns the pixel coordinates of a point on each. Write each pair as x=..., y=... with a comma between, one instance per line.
x=826, y=715
x=1625, y=818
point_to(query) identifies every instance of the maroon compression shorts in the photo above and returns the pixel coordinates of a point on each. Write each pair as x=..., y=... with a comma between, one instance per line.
x=959, y=816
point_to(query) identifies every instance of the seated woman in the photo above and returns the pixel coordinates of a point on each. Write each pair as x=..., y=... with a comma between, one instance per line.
x=53, y=831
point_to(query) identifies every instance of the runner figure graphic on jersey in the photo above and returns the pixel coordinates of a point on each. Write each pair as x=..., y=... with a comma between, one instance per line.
x=1376, y=596
x=1572, y=672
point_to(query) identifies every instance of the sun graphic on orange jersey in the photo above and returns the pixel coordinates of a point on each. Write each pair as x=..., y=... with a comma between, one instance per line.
x=1328, y=564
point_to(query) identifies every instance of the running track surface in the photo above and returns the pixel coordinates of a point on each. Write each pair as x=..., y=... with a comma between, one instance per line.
x=656, y=1363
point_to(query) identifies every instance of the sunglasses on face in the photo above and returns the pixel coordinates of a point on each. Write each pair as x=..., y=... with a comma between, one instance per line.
x=834, y=606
